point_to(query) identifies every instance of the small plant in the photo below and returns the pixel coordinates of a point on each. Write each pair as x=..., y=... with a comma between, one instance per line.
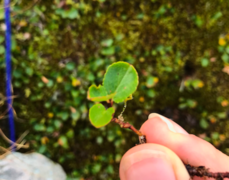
x=119, y=83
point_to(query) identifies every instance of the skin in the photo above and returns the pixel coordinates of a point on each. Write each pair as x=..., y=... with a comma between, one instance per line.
x=167, y=146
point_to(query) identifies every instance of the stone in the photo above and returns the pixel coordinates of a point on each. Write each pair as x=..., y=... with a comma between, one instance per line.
x=33, y=166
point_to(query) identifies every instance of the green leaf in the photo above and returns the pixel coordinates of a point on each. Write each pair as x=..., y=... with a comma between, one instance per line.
x=42, y=149
x=50, y=129
x=225, y=58
x=204, y=124
x=191, y=103
x=50, y=83
x=70, y=133
x=98, y=93
x=2, y=49
x=215, y=135
x=182, y=105
x=2, y=39
x=204, y=62
x=2, y=13
x=29, y=71
x=119, y=37
x=70, y=66
x=75, y=116
x=151, y=81
x=108, y=51
x=39, y=127
x=122, y=79
x=63, y=141
x=73, y=13
x=110, y=169
x=99, y=140
x=57, y=124
x=221, y=115
x=107, y=42
x=217, y=15
x=151, y=93
x=99, y=116
x=17, y=73
x=64, y=115
x=27, y=92
x=227, y=49
x=96, y=168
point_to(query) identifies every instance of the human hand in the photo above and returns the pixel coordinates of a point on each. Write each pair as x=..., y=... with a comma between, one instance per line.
x=167, y=146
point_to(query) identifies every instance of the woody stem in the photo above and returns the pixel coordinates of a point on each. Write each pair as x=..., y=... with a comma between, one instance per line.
x=127, y=125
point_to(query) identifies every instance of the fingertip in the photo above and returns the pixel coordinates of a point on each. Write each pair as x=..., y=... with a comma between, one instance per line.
x=149, y=161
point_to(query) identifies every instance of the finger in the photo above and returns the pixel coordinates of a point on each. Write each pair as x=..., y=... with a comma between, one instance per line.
x=191, y=149
x=152, y=162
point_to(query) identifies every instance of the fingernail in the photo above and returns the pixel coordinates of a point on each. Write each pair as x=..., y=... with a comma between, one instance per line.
x=148, y=165
x=176, y=128
x=169, y=124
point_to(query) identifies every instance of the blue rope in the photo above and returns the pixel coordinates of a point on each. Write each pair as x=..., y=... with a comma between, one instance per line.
x=8, y=69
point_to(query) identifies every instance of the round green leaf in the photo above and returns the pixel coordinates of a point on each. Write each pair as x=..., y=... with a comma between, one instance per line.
x=204, y=124
x=63, y=141
x=151, y=81
x=29, y=71
x=99, y=116
x=120, y=79
x=107, y=42
x=108, y=51
x=204, y=62
x=98, y=93
x=225, y=58
x=70, y=66
x=2, y=49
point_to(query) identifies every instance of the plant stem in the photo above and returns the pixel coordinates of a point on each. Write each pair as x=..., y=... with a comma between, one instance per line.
x=127, y=125
x=110, y=102
x=204, y=172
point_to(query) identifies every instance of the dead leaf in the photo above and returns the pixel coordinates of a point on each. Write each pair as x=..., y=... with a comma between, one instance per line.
x=73, y=110
x=226, y=69
x=44, y=79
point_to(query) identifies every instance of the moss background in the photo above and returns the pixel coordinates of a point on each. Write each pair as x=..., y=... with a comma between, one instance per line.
x=60, y=47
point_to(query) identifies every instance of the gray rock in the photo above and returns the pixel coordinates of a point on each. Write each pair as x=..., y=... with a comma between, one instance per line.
x=33, y=166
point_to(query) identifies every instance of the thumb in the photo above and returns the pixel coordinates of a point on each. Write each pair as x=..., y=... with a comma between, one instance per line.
x=152, y=162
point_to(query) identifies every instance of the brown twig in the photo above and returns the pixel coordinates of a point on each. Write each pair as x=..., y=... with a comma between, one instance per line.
x=127, y=125
x=201, y=171
x=110, y=102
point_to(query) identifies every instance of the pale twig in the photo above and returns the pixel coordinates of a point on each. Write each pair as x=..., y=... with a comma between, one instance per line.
x=11, y=142
x=21, y=143
x=18, y=146
x=4, y=149
x=9, y=105
x=12, y=97
x=4, y=113
x=6, y=152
